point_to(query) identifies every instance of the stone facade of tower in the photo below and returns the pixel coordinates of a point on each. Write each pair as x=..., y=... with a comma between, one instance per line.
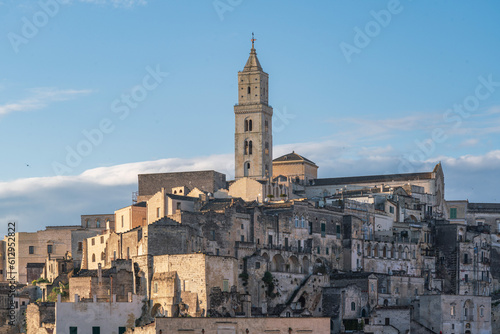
x=253, y=123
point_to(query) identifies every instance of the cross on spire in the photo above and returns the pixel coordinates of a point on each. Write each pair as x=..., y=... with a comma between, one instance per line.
x=253, y=40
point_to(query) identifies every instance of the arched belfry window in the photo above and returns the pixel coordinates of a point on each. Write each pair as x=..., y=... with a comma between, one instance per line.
x=248, y=125
x=246, y=147
x=250, y=147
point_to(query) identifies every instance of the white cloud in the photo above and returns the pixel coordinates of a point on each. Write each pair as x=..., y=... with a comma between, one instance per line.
x=58, y=200
x=40, y=98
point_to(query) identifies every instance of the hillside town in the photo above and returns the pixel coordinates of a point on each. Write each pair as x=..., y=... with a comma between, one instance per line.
x=276, y=250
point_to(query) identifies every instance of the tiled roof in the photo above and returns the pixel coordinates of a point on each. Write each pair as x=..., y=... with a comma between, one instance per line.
x=484, y=207
x=292, y=157
x=372, y=179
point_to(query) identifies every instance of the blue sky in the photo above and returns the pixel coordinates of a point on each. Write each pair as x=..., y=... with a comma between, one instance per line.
x=358, y=87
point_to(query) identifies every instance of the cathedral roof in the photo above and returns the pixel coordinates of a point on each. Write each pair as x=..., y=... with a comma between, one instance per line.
x=252, y=62
x=293, y=157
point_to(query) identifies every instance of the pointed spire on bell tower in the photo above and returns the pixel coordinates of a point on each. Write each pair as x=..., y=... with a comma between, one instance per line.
x=252, y=62
x=253, y=122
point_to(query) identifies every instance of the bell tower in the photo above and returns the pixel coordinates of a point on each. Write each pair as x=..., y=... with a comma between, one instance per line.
x=253, y=139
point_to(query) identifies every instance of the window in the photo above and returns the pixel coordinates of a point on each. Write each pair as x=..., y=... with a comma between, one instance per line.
x=310, y=228
x=80, y=246
x=242, y=226
x=286, y=243
x=270, y=239
x=225, y=285
x=128, y=253
x=93, y=257
x=49, y=249
x=96, y=330
x=416, y=292
x=452, y=310
x=32, y=249
x=387, y=321
x=453, y=213
x=212, y=235
x=114, y=255
x=249, y=125
x=481, y=311
x=93, y=241
x=318, y=250
x=86, y=223
x=157, y=212
x=391, y=209
x=327, y=251
x=466, y=258
x=155, y=290
x=257, y=265
x=122, y=221
x=97, y=223
x=73, y=330
x=338, y=231
x=242, y=238
x=266, y=126
x=353, y=306
x=247, y=169
x=466, y=278
x=103, y=256
x=323, y=230
x=217, y=252
x=266, y=151
x=102, y=239
x=248, y=90
x=296, y=221
x=250, y=147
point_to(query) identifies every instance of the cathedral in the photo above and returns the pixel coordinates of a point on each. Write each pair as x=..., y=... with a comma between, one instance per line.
x=275, y=250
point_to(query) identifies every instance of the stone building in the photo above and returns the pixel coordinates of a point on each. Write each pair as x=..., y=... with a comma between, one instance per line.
x=207, y=181
x=295, y=168
x=117, y=281
x=463, y=254
x=32, y=249
x=455, y=313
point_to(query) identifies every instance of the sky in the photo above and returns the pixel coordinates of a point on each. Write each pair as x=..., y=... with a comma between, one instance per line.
x=94, y=92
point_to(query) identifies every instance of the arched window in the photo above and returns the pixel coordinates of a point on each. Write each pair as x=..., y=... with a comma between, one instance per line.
x=93, y=257
x=246, y=171
x=86, y=223
x=353, y=306
x=250, y=147
x=246, y=125
x=249, y=125
x=246, y=147
x=266, y=151
x=296, y=221
x=97, y=223
x=303, y=222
